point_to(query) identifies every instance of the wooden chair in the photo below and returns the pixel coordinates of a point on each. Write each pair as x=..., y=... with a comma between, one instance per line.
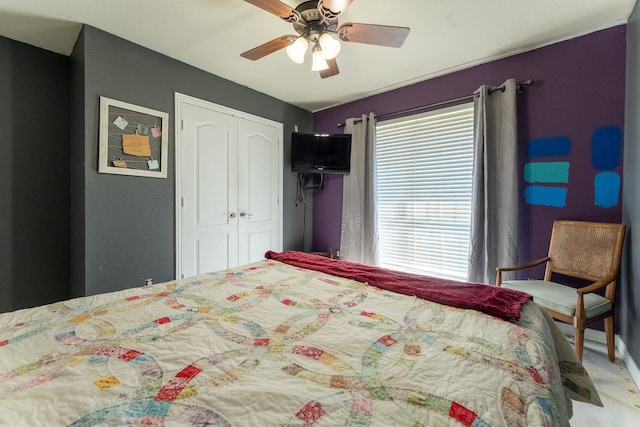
x=586, y=250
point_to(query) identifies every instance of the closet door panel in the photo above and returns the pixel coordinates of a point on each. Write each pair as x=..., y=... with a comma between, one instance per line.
x=209, y=221
x=258, y=190
x=212, y=176
x=205, y=247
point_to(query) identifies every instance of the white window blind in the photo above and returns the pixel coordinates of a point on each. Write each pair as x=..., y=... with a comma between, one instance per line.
x=424, y=167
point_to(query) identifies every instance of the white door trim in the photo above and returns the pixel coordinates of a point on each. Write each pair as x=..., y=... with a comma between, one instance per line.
x=181, y=99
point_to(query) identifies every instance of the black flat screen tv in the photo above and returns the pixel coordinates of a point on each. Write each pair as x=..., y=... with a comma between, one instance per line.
x=320, y=153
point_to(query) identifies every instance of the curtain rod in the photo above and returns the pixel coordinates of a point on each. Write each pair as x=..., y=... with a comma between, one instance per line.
x=519, y=87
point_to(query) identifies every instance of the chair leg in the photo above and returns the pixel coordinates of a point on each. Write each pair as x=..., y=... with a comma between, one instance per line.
x=579, y=341
x=611, y=345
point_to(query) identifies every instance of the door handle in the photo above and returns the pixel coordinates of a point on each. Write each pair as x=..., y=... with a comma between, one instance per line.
x=243, y=214
x=232, y=215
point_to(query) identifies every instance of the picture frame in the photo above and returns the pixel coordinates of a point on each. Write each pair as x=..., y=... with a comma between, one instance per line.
x=133, y=139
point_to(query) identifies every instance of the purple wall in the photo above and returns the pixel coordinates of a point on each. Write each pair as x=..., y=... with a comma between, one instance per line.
x=578, y=100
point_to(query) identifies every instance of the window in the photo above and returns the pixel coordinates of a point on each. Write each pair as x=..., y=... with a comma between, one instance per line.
x=424, y=168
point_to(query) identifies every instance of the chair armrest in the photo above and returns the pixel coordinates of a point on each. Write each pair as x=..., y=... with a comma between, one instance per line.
x=518, y=267
x=597, y=285
x=590, y=289
x=523, y=266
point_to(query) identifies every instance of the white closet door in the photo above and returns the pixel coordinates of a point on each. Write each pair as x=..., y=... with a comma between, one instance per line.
x=258, y=198
x=229, y=186
x=209, y=217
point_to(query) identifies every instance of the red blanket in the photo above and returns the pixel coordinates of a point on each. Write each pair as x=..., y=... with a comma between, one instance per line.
x=495, y=301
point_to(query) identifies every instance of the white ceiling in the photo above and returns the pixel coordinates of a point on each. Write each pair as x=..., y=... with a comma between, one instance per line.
x=446, y=35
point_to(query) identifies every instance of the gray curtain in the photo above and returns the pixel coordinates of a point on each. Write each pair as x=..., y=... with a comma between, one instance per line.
x=494, y=217
x=359, y=233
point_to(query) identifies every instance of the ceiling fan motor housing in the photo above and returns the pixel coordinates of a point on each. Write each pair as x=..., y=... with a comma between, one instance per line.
x=313, y=22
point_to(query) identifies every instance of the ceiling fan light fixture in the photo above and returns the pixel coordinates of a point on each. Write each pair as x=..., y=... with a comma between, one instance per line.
x=319, y=63
x=330, y=46
x=333, y=8
x=297, y=49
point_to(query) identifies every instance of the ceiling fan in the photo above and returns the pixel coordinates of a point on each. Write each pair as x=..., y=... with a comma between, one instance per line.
x=316, y=22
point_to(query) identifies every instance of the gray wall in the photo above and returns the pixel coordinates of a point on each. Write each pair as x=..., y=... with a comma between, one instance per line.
x=629, y=295
x=123, y=226
x=34, y=176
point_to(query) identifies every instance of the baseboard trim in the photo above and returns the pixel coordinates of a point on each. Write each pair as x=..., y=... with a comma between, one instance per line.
x=600, y=338
x=628, y=360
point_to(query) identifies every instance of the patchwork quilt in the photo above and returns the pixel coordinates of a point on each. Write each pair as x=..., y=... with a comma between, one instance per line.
x=270, y=344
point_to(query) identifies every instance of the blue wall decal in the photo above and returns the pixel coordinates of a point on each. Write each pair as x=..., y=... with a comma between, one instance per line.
x=547, y=172
x=607, y=189
x=546, y=196
x=606, y=148
x=549, y=147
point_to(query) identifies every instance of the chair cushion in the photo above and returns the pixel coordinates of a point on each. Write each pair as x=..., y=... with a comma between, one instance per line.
x=560, y=298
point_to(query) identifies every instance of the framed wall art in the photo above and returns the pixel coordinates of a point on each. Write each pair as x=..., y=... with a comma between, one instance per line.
x=133, y=139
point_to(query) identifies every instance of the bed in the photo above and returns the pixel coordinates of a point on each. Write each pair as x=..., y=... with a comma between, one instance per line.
x=282, y=343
